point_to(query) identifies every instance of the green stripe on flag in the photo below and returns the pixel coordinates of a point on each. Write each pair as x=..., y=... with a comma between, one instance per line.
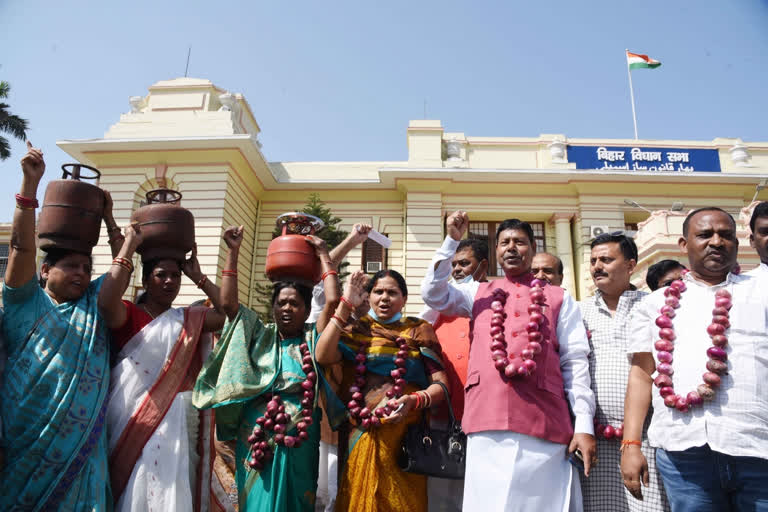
x=639, y=65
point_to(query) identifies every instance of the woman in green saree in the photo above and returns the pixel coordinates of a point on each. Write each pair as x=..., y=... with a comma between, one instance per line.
x=254, y=365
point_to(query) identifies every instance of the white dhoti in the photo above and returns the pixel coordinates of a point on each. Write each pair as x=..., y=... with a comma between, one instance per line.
x=327, y=480
x=507, y=471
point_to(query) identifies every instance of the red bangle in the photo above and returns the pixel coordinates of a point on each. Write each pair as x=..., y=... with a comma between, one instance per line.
x=26, y=202
x=418, y=400
x=328, y=273
x=123, y=262
x=202, y=281
x=338, y=318
x=228, y=273
x=345, y=301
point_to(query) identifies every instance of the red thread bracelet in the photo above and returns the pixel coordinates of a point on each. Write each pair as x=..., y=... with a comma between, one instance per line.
x=26, y=202
x=345, y=301
x=328, y=273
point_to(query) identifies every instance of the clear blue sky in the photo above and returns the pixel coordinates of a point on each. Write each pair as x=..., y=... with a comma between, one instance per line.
x=340, y=80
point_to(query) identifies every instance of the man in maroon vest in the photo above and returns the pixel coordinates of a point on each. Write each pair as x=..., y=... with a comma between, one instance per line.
x=527, y=363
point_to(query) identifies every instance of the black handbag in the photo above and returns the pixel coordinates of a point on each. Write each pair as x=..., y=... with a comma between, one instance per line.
x=435, y=452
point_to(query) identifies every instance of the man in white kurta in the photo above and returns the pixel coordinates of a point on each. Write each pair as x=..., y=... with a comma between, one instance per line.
x=507, y=470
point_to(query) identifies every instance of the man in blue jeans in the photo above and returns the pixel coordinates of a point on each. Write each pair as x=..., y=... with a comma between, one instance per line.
x=703, y=342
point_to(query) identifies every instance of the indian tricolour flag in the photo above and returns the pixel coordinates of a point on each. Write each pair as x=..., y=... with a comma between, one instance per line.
x=636, y=60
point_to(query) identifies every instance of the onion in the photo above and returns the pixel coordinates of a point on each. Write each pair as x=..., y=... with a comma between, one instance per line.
x=269, y=424
x=537, y=296
x=510, y=370
x=306, y=402
x=719, y=311
x=500, y=364
x=532, y=327
x=713, y=329
x=667, y=333
x=400, y=382
x=681, y=404
x=352, y=404
x=523, y=371
x=306, y=368
x=357, y=396
x=279, y=428
x=722, y=320
x=664, y=356
x=281, y=418
x=312, y=376
x=498, y=345
x=375, y=421
x=359, y=381
x=666, y=391
x=609, y=432
x=536, y=317
x=272, y=406
x=717, y=353
x=672, y=292
x=365, y=412
x=402, y=371
x=719, y=340
x=306, y=359
x=379, y=412
x=723, y=302
x=665, y=368
x=663, y=321
x=360, y=358
x=673, y=302
x=694, y=399
x=390, y=393
x=670, y=400
x=706, y=392
x=717, y=366
x=722, y=292
x=619, y=432
x=667, y=311
x=307, y=412
x=302, y=425
x=307, y=385
x=304, y=435
x=399, y=361
x=263, y=446
x=665, y=345
x=355, y=411
x=496, y=330
x=398, y=390
x=678, y=285
x=360, y=369
x=402, y=353
x=527, y=353
x=279, y=438
x=712, y=379
x=599, y=429
x=534, y=308
x=260, y=421
x=289, y=441
x=529, y=365
x=662, y=381
x=534, y=346
x=538, y=282
x=498, y=354
x=535, y=336
x=498, y=316
x=497, y=306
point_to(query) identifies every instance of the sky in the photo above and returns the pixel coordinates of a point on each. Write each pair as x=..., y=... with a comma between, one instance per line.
x=339, y=80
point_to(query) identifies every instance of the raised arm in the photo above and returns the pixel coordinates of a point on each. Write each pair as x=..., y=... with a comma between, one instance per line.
x=116, y=281
x=358, y=235
x=327, y=350
x=331, y=290
x=115, y=237
x=436, y=290
x=21, y=255
x=214, y=319
x=230, y=303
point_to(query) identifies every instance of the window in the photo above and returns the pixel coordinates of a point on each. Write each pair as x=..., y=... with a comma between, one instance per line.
x=374, y=257
x=487, y=232
x=3, y=260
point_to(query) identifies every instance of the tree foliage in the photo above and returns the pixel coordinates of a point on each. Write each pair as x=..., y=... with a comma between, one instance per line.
x=9, y=123
x=332, y=235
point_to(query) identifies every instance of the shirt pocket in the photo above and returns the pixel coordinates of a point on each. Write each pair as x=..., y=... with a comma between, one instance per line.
x=473, y=379
x=748, y=318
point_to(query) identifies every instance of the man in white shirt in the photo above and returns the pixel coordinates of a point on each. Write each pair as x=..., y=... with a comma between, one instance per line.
x=518, y=425
x=712, y=436
x=758, y=239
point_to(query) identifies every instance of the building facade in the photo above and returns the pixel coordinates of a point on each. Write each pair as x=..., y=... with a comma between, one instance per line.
x=194, y=137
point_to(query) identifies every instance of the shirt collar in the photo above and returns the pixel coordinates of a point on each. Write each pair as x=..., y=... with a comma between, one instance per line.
x=729, y=279
x=629, y=295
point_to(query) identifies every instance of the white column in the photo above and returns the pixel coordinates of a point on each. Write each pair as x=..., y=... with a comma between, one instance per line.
x=564, y=248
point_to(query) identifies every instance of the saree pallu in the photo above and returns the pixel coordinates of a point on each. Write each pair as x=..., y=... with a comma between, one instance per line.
x=371, y=479
x=160, y=445
x=54, y=386
x=248, y=364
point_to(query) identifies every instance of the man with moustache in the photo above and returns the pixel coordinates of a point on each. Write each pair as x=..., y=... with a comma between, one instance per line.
x=758, y=239
x=711, y=437
x=518, y=423
x=469, y=263
x=548, y=267
x=607, y=319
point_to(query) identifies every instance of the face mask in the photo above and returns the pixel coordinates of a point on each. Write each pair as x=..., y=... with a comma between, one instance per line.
x=392, y=320
x=466, y=279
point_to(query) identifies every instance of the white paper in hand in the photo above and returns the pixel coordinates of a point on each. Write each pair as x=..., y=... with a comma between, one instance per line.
x=379, y=238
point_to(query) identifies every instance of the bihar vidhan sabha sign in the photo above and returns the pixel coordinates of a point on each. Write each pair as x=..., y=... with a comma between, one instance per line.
x=644, y=159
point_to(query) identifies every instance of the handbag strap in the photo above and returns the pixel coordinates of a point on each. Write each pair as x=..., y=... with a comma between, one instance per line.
x=448, y=401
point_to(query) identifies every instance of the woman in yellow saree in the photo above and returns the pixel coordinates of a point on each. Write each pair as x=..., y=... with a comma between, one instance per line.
x=390, y=363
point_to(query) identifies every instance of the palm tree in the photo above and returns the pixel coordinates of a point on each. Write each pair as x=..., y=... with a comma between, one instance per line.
x=9, y=123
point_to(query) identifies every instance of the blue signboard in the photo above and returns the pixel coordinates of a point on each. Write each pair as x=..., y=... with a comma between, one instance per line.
x=644, y=159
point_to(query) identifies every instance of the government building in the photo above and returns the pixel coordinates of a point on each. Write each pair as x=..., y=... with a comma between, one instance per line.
x=203, y=141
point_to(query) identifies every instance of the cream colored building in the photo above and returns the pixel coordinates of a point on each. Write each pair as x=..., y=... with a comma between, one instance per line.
x=192, y=136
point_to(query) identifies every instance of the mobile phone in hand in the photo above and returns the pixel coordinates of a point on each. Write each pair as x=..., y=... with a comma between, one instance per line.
x=577, y=459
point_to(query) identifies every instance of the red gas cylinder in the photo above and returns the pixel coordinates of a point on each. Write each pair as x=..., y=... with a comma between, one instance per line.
x=289, y=256
x=72, y=211
x=168, y=230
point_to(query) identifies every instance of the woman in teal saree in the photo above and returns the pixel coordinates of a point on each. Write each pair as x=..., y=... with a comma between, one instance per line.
x=250, y=365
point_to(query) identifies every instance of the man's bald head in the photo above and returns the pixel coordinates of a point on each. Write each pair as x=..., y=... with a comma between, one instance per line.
x=548, y=267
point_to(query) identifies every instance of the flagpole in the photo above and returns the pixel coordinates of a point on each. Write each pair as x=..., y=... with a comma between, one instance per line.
x=631, y=93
